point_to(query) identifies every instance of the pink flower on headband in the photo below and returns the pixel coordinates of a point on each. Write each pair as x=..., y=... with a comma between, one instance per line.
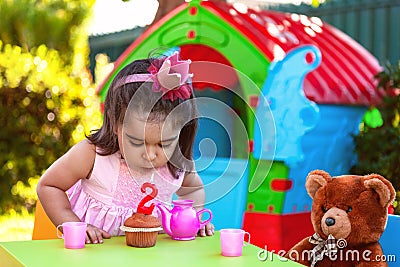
x=172, y=78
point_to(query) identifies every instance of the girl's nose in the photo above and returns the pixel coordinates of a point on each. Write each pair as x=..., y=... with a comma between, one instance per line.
x=149, y=154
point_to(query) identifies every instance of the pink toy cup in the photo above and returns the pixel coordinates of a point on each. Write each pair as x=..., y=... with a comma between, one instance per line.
x=74, y=234
x=232, y=242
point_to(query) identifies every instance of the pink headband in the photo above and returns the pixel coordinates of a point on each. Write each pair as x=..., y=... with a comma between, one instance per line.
x=172, y=78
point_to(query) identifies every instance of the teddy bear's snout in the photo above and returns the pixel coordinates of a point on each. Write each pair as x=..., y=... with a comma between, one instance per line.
x=336, y=222
x=329, y=221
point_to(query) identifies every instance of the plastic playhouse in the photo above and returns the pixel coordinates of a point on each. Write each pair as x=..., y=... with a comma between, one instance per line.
x=297, y=86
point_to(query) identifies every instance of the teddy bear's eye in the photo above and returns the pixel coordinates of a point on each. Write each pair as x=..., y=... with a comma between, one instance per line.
x=349, y=209
x=324, y=209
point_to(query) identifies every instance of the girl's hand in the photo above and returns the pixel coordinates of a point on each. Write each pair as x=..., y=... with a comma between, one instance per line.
x=208, y=230
x=95, y=235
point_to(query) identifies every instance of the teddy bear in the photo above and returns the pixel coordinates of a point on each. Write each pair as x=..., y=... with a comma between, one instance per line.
x=349, y=215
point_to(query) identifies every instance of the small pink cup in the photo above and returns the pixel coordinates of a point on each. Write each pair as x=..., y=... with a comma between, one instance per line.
x=74, y=234
x=232, y=242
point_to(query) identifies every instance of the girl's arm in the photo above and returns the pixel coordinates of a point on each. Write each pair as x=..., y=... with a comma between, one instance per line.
x=74, y=165
x=192, y=188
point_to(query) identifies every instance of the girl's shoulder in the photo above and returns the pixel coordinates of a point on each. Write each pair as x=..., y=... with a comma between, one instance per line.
x=81, y=154
x=91, y=153
x=75, y=164
x=84, y=148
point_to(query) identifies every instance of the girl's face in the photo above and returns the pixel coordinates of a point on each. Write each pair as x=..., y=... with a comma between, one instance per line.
x=147, y=144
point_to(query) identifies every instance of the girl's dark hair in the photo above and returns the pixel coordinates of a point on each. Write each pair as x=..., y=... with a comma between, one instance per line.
x=117, y=101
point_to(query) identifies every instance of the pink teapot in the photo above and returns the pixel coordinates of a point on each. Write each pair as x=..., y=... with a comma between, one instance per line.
x=182, y=222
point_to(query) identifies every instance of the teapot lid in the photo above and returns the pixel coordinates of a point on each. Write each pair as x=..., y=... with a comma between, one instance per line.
x=188, y=202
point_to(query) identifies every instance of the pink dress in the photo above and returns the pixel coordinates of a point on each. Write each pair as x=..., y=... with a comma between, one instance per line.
x=111, y=194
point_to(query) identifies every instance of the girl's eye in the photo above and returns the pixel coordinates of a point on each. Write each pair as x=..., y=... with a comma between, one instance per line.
x=349, y=209
x=135, y=144
x=165, y=145
x=324, y=209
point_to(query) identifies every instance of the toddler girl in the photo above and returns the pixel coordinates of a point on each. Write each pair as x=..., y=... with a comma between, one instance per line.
x=149, y=127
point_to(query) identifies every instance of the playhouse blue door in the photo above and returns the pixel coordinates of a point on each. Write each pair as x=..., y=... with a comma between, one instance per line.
x=224, y=177
x=225, y=183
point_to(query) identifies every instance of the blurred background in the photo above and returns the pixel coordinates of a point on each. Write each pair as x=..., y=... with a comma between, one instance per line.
x=53, y=53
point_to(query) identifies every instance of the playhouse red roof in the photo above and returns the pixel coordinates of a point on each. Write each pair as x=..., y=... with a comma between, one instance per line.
x=345, y=75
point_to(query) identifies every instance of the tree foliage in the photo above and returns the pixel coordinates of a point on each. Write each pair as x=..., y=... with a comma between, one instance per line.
x=43, y=107
x=378, y=148
x=48, y=100
x=58, y=24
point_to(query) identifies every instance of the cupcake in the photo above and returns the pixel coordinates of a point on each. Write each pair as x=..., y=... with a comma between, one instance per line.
x=141, y=230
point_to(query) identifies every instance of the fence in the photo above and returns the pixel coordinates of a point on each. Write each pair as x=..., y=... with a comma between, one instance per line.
x=112, y=44
x=375, y=24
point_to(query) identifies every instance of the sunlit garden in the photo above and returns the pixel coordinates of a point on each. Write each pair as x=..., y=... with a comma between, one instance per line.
x=48, y=99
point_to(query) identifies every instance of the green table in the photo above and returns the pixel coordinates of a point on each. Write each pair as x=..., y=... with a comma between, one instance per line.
x=114, y=252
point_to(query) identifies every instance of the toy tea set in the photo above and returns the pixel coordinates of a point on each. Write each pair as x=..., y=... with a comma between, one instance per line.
x=181, y=223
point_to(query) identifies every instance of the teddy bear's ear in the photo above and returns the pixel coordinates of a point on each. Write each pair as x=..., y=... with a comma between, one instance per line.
x=315, y=180
x=382, y=187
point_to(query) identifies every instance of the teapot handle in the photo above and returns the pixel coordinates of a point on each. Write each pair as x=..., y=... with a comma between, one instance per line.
x=206, y=221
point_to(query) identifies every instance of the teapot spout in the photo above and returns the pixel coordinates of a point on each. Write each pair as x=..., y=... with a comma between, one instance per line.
x=165, y=217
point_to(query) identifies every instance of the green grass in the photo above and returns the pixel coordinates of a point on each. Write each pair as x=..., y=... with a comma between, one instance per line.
x=16, y=227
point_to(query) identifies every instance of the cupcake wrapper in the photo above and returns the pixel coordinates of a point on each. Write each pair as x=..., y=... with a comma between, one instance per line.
x=141, y=239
